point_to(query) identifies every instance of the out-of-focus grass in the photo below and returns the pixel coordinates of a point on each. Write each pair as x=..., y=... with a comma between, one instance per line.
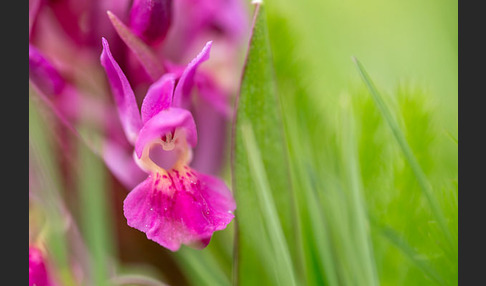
x=95, y=208
x=46, y=192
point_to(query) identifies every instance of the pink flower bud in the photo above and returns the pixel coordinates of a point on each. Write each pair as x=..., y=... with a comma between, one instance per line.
x=150, y=19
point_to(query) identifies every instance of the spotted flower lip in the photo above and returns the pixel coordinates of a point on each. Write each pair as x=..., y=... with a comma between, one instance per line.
x=179, y=207
x=174, y=205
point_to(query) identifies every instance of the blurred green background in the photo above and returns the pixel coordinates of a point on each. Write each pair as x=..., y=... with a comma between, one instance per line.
x=410, y=51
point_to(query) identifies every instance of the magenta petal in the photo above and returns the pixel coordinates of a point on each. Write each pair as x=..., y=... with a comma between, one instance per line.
x=144, y=53
x=123, y=94
x=186, y=80
x=34, y=7
x=231, y=18
x=37, y=269
x=43, y=74
x=211, y=130
x=209, y=90
x=159, y=97
x=150, y=19
x=68, y=13
x=182, y=207
x=166, y=121
x=121, y=164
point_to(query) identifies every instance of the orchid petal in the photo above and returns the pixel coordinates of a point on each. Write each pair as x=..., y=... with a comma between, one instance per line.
x=158, y=97
x=180, y=207
x=216, y=97
x=68, y=14
x=43, y=74
x=212, y=130
x=166, y=121
x=121, y=164
x=186, y=80
x=123, y=94
x=34, y=7
x=144, y=54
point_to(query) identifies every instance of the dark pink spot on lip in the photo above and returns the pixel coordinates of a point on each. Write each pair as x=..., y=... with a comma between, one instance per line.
x=165, y=176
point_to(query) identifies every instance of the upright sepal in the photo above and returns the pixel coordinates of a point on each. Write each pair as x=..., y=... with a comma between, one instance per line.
x=123, y=94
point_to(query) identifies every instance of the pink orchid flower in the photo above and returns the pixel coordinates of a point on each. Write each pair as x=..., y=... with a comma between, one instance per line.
x=175, y=204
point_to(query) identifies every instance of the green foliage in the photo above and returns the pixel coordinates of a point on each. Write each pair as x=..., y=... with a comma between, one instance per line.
x=261, y=248
x=373, y=186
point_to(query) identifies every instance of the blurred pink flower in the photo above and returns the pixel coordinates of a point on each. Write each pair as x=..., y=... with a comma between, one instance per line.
x=197, y=20
x=150, y=19
x=38, y=275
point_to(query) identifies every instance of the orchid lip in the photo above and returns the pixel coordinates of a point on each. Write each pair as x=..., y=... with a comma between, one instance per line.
x=179, y=207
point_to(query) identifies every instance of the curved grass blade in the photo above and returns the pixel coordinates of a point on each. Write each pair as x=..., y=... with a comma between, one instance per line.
x=408, y=251
x=363, y=245
x=96, y=221
x=409, y=156
x=201, y=267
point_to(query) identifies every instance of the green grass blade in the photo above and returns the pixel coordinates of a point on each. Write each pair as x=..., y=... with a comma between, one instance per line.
x=399, y=136
x=357, y=204
x=201, y=267
x=267, y=206
x=95, y=215
x=258, y=105
x=408, y=251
